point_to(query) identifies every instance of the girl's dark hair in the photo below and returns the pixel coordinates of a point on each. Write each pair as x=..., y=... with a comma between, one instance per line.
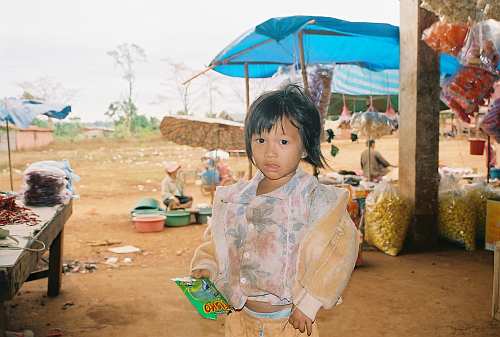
x=290, y=102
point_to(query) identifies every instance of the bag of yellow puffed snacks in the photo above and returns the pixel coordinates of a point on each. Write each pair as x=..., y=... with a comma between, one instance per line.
x=456, y=218
x=387, y=218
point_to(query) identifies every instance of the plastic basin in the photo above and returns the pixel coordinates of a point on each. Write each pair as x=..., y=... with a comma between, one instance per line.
x=495, y=173
x=476, y=146
x=203, y=214
x=146, y=223
x=178, y=218
x=147, y=203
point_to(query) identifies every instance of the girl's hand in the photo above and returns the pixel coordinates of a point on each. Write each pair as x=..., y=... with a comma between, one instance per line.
x=200, y=273
x=300, y=321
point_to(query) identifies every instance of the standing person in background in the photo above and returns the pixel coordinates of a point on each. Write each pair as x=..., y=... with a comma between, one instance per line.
x=374, y=165
x=280, y=246
x=172, y=187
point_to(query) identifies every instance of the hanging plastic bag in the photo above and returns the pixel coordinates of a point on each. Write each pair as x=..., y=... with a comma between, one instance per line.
x=490, y=124
x=389, y=112
x=466, y=90
x=345, y=116
x=446, y=37
x=456, y=219
x=387, y=218
x=482, y=46
x=463, y=10
x=372, y=124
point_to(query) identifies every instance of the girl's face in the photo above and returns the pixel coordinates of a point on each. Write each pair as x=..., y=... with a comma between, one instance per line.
x=277, y=153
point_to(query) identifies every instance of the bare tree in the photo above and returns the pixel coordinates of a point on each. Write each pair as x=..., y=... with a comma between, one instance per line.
x=213, y=90
x=186, y=94
x=48, y=90
x=125, y=56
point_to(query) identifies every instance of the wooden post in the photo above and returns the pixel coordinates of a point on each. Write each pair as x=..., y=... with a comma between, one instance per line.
x=55, y=265
x=247, y=101
x=303, y=63
x=419, y=126
x=3, y=319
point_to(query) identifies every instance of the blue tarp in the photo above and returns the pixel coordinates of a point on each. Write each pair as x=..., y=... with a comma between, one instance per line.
x=274, y=43
x=21, y=112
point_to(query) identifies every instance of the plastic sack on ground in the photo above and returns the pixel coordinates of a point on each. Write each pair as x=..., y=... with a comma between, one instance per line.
x=466, y=90
x=478, y=194
x=482, y=46
x=446, y=37
x=456, y=218
x=387, y=218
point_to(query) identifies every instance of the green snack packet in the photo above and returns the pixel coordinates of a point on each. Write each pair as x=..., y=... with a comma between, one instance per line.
x=204, y=296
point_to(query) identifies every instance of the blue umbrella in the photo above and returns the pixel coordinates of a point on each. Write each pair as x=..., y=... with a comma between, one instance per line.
x=21, y=113
x=278, y=41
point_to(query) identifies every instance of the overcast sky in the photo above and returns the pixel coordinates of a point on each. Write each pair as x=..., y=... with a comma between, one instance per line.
x=67, y=41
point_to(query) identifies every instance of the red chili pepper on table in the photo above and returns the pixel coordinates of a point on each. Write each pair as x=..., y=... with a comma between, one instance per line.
x=11, y=213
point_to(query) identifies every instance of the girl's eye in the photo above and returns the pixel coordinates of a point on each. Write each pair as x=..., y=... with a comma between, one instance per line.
x=284, y=142
x=260, y=140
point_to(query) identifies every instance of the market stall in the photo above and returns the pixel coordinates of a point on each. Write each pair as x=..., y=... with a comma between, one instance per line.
x=20, y=253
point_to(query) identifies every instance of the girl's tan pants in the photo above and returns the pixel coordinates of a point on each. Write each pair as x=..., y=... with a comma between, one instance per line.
x=242, y=324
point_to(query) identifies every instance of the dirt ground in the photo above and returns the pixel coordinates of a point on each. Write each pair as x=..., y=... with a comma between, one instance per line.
x=442, y=293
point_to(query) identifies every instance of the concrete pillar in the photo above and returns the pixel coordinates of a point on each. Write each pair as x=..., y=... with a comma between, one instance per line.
x=419, y=124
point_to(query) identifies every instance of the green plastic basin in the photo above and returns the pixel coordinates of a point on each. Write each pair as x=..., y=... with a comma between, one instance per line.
x=147, y=203
x=178, y=218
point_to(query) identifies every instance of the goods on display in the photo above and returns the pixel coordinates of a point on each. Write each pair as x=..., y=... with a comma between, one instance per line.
x=456, y=218
x=345, y=116
x=482, y=46
x=320, y=83
x=490, y=124
x=446, y=37
x=478, y=195
x=44, y=189
x=204, y=296
x=48, y=183
x=11, y=213
x=387, y=218
x=463, y=10
x=390, y=112
x=492, y=224
x=466, y=90
x=372, y=124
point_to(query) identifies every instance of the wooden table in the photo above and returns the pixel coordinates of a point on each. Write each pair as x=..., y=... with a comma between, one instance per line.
x=18, y=266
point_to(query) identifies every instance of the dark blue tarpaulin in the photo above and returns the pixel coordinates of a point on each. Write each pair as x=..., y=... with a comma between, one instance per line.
x=275, y=43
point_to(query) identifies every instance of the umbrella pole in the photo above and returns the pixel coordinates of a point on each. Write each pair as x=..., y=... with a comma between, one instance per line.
x=303, y=63
x=8, y=150
x=247, y=102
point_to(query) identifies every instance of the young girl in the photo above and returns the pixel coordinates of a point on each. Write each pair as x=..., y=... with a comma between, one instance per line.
x=280, y=246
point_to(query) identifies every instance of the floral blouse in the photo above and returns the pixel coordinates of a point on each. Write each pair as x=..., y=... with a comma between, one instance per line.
x=258, y=237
